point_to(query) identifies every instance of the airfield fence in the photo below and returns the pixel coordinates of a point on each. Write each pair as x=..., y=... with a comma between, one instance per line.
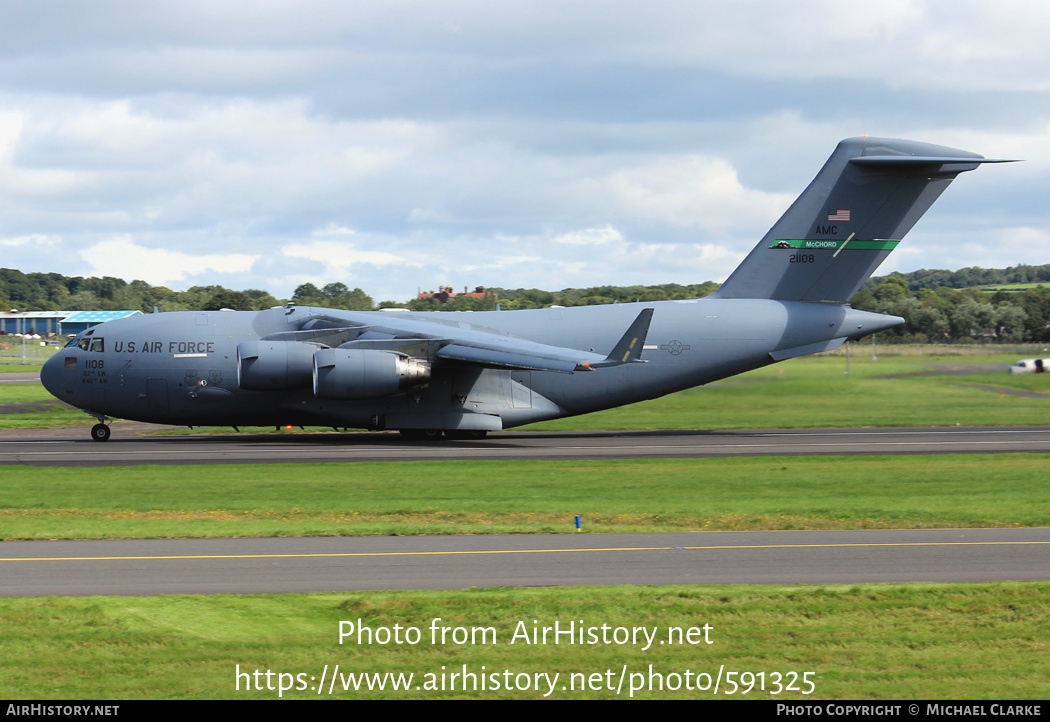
x=14, y=351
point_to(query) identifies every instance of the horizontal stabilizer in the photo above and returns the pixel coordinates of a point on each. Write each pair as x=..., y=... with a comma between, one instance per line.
x=917, y=160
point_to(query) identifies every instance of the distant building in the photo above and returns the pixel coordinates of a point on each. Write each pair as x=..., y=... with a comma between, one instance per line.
x=81, y=320
x=46, y=323
x=446, y=292
x=43, y=323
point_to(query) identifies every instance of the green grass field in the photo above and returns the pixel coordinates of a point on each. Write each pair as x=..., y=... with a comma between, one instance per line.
x=816, y=392
x=23, y=393
x=29, y=406
x=1011, y=287
x=12, y=353
x=464, y=497
x=863, y=642
x=13, y=365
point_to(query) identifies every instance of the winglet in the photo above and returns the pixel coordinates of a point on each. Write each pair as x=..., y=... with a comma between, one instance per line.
x=629, y=348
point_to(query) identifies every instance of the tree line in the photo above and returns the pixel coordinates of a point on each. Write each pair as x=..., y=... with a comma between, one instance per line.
x=938, y=305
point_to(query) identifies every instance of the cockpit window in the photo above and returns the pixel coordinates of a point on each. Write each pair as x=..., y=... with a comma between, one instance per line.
x=71, y=342
x=98, y=344
x=82, y=344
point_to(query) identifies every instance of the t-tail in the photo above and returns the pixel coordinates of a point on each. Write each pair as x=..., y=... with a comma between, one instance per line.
x=854, y=213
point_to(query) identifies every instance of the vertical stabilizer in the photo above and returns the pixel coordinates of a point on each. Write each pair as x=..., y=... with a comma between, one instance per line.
x=858, y=208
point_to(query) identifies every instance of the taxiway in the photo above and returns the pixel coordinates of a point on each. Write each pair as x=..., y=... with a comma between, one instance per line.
x=212, y=566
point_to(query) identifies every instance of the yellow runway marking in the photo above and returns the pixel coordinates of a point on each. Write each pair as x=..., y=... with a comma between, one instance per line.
x=517, y=551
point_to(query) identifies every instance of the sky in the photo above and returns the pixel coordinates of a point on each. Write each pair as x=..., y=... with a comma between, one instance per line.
x=398, y=146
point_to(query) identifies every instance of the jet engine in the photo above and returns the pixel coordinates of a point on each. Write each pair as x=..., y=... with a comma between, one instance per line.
x=274, y=365
x=341, y=373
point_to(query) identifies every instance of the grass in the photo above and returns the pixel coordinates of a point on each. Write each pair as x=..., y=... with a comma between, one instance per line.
x=24, y=393
x=469, y=497
x=12, y=366
x=49, y=417
x=977, y=351
x=816, y=392
x=1018, y=287
x=1029, y=383
x=31, y=406
x=907, y=641
x=12, y=352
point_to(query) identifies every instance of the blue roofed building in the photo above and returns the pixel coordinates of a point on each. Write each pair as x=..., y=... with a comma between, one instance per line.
x=43, y=323
x=78, y=321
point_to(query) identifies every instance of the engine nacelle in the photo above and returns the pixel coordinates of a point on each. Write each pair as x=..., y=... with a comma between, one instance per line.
x=274, y=365
x=343, y=373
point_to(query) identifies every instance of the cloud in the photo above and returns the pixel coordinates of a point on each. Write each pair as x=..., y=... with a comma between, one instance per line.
x=122, y=258
x=342, y=256
x=333, y=230
x=589, y=236
x=690, y=191
x=400, y=145
x=37, y=240
x=594, y=257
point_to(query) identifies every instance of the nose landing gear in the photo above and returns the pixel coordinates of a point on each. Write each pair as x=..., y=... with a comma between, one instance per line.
x=101, y=430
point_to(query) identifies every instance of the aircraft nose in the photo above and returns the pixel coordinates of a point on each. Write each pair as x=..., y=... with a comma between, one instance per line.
x=51, y=374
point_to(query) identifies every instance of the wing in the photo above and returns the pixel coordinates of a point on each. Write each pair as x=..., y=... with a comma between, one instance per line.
x=436, y=341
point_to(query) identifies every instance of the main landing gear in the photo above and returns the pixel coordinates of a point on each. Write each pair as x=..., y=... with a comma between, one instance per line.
x=100, y=432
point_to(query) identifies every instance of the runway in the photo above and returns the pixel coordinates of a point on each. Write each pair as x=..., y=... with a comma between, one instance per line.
x=72, y=447
x=213, y=566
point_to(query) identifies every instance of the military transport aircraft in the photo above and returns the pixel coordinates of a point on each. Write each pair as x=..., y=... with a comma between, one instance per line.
x=465, y=374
